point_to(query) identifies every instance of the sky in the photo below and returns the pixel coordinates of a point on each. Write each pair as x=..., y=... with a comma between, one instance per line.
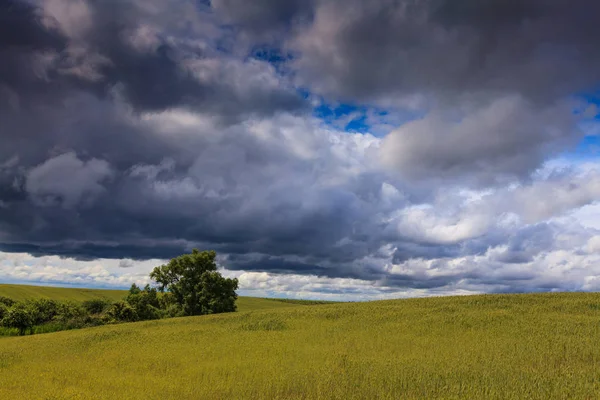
x=326, y=149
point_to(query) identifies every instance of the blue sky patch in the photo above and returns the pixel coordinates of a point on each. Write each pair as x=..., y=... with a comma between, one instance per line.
x=348, y=117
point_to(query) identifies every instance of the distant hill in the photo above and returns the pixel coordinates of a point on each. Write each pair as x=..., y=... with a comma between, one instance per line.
x=23, y=292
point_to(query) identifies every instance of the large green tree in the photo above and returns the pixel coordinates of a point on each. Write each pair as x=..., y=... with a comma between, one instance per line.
x=195, y=284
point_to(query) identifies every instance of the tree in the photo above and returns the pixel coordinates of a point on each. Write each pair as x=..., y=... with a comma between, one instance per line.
x=195, y=284
x=144, y=302
x=20, y=317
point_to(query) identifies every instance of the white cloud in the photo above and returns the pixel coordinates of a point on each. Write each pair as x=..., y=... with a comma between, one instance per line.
x=23, y=267
x=509, y=137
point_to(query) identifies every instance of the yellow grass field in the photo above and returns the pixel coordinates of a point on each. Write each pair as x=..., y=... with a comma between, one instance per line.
x=535, y=346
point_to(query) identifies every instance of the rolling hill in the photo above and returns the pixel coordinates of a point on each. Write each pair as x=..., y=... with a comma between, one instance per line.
x=24, y=292
x=537, y=346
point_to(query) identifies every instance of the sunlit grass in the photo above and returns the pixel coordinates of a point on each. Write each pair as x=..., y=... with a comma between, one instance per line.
x=27, y=292
x=539, y=346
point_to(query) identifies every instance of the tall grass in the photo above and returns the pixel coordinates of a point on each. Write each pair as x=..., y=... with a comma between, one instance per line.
x=542, y=346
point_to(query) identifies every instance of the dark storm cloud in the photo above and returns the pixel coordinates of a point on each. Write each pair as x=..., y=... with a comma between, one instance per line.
x=22, y=26
x=90, y=251
x=528, y=243
x=27, y=48
x=264, y=16
x=542, y=49
x=70, y=191
x=64, y=63
x=140, y=130
x=104, y=211
x=116, y=50
x=407, y=251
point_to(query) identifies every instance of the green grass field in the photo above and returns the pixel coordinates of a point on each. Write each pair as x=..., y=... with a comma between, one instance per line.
x=25, y=292
x=540, y=346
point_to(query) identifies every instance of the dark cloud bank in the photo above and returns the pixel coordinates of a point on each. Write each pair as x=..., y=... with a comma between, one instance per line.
x=138, y=130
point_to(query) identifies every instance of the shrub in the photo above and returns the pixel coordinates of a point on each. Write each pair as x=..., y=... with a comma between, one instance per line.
x=69, y=310
x=20, y=317
x=96, y=306
x=43, y=310
x=122, y=311
x=3, y=310
x=6, y=301
x=70, y=314
x=172, y=311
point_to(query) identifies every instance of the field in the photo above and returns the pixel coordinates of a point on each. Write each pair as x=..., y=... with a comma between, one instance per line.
x=24, y=292
x=538, y=346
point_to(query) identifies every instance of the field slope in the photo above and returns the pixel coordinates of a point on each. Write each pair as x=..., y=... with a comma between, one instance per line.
x=540, y=346
x=25, y=292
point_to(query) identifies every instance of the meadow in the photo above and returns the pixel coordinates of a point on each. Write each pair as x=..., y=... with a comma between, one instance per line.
x=28, y=292
x=533, y=346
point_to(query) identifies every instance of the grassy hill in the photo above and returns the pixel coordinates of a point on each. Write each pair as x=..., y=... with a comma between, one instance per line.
x=539, y=346
x=24, y=292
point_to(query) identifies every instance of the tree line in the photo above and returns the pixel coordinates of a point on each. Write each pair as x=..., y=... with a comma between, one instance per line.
x=187, y=285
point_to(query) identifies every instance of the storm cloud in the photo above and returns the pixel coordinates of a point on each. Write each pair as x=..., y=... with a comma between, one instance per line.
x=133, y=131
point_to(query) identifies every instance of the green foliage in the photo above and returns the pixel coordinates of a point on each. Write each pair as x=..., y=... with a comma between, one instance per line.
x=43, y=315
x=71, y=315
x=216, y=294
x=70, y=310
x=6, y=301
x=43, y=310
x=169, y=306
x=144, y=302
x=194, y=282
x=166, y=300
x=20, y=317
x=96, y=306
x=173, y=311
x=122, y=311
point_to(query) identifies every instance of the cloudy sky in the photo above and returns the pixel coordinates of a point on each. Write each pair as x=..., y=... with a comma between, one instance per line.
x=336, y=149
